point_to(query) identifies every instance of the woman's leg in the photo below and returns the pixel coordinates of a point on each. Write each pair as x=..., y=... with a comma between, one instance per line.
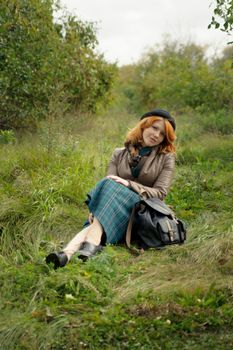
x=74, y=245
x=91, y=234
x=95, y=233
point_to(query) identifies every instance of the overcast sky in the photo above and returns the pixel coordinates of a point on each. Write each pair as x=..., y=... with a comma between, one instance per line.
x=127, y=27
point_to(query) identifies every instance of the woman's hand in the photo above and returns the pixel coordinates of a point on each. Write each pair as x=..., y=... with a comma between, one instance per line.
x=119, y=180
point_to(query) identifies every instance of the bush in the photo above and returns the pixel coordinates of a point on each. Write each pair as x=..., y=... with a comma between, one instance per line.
x=7, y=136
x=178, y=77
x=40, y=58
x=218, y=122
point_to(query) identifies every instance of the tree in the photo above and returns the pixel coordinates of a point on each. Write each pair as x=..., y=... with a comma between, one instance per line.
x=41, y=58
x=178, y=77
x=223, y=16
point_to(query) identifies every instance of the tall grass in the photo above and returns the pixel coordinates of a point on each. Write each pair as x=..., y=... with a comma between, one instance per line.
x=116, y=300
x=45, y=180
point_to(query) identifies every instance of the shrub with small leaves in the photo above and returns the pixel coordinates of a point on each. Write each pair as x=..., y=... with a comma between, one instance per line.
x=7, y=136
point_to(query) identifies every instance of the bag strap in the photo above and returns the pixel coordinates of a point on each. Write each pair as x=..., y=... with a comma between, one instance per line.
x=133, y=250
x=129, y=229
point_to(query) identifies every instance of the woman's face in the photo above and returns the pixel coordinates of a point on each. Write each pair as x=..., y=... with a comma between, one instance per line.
x=155, y=134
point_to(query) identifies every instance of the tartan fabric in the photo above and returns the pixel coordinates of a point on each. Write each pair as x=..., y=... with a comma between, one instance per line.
x=111, y=203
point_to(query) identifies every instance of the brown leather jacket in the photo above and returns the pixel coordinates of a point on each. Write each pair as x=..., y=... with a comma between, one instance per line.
x=155, y=177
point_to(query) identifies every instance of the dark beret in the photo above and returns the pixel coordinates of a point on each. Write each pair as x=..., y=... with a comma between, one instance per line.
x=160, y=113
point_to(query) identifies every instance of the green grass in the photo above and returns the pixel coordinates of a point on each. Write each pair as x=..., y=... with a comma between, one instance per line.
x=177, y=298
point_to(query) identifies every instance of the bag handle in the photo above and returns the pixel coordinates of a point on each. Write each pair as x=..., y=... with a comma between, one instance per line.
x=129, y=229
x=133, y=250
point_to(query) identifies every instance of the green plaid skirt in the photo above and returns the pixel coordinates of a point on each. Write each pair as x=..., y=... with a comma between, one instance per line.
x=111, y=203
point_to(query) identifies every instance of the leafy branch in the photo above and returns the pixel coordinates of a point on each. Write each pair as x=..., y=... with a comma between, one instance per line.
x=223, y=16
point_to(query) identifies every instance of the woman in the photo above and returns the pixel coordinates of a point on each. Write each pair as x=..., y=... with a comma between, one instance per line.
x=142, y=169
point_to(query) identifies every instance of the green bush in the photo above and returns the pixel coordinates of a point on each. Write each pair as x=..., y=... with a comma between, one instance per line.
x=218, y=122
x=41, y=58
x=7, y=136
x=178, y=77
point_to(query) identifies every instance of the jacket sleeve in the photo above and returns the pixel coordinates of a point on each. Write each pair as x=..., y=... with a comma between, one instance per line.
x=112, y=167
x=161, y=185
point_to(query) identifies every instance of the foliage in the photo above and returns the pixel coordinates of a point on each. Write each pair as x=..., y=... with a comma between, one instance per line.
x=7, y=136
x=178, y=77
x=223, y=11
x=227, y=53
x=41, y=57
x=218, y=122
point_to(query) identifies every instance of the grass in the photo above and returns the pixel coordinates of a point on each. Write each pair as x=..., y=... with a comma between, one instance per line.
x=178, y=298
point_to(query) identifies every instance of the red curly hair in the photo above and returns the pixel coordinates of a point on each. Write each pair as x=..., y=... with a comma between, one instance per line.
x=134, y=136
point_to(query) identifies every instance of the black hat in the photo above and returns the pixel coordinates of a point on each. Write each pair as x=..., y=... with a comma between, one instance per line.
x=160, y=113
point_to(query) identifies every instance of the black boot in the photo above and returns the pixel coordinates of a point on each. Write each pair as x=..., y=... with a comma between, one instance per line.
x=59, y=259
x=88, y=250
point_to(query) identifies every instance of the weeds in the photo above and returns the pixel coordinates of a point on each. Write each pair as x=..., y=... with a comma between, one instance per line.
x=180, y=297
x=7, y=137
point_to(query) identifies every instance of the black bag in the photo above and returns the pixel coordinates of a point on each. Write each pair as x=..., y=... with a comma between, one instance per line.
x=154, y=225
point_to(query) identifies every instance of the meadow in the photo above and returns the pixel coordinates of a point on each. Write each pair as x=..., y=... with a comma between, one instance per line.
x=177, y=298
